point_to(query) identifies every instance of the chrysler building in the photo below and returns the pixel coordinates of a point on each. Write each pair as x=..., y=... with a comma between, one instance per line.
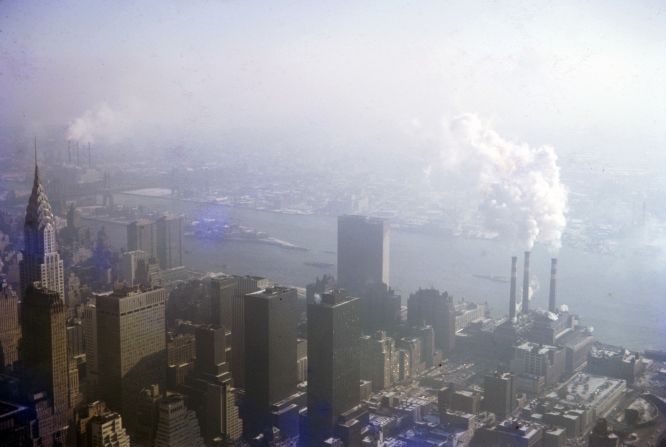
x=41, y=261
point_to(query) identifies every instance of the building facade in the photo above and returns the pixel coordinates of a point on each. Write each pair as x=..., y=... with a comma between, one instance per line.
x=131, y=345
x=363, y=253
x=270, y=341
x=334, y=361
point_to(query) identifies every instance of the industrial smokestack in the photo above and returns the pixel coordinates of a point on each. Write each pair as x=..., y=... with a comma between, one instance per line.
x=77, y=154
x=552, y=296
x=512, y=293
x=526, y=283
x=89, y=156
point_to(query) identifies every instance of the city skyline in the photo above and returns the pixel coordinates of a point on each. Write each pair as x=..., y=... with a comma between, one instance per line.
x=233, y=224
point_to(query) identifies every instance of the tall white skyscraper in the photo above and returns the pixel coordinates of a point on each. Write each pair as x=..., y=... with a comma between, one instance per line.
x=41, y=260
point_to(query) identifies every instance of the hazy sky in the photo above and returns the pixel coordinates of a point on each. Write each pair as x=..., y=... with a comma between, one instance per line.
x=581, y=75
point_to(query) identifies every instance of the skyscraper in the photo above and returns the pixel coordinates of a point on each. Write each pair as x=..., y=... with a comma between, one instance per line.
x=169, y=232
x=90, y=342
x=131, y=345
x=41, y=260
x=270, y=347
x=10, y=330
x=209, y=388
x=44, y=349
x=221, y=297
x=334, y=356
x=243, y=286
x=363, y=253
x=437, y=309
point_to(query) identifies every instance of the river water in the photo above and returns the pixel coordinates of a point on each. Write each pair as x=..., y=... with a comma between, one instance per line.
x=621, y=296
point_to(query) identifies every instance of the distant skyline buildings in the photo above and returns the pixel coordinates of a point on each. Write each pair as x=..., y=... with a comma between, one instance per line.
x=285, y=392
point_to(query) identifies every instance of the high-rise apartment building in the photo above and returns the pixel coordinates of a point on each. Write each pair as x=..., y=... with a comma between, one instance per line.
x=363, y=253
x=499, y=395
x=131, y=340
x=334, y=362
x=270, y=347
x=41, y=260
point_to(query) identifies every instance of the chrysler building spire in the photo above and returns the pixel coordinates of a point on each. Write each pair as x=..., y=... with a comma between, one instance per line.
x=41, y=261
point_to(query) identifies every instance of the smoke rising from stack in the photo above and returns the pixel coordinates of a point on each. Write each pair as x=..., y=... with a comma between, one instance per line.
x=103, y=124
x=515, y=187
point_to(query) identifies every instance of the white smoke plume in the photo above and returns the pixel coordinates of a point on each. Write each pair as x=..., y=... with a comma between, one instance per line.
x=517, y=188
x=102, y=124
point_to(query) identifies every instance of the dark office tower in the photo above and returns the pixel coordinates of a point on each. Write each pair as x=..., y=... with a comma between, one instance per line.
x=169, y=241
x=221, y=299
x=380, y=309
x=512, y=291
x=320, y=286
x=209, y=388
x=270, y=350
x=499, y=394
x=131, y=346
x=210, y=351
x=552, y=295
x=41, y=261
x=10, y=329
x=44, y=350
x=429, y=306
x=363, y=253
x=334, y=351
x=244, y=285
x=526, y=283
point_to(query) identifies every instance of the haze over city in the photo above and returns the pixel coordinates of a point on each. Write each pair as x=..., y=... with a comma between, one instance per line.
x=218, y=217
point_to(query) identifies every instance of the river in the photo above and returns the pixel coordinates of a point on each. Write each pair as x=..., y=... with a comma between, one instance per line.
x=622, y=297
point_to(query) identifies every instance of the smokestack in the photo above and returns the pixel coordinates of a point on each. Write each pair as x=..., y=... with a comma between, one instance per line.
x=77, y=154
x=69, y=152
x=89, y=156
x=553, y=286
x=512, y=293
x=526, y=283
